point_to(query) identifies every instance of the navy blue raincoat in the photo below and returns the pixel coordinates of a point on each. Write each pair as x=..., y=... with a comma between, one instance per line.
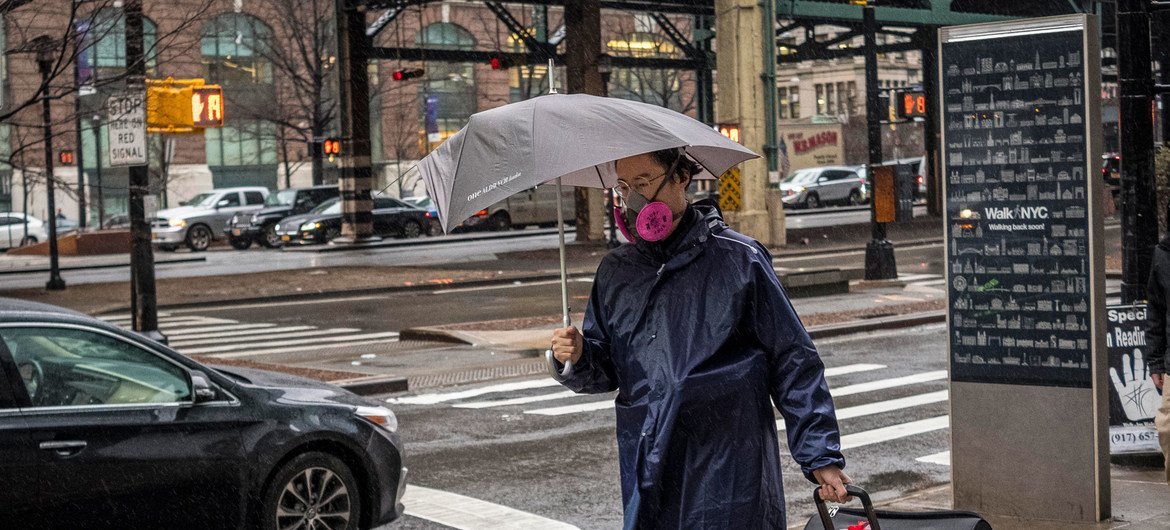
x=700, y=340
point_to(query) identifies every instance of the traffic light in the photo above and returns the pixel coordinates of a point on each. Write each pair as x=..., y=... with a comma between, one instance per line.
x=66, y=157
x=911, y=104
x=331, y=147
x=496, y=63
x=408, y=73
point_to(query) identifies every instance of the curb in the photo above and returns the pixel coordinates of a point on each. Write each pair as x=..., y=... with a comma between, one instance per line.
x=782, y=253
x=102, y=266
x=395, y=243
x=373, y=385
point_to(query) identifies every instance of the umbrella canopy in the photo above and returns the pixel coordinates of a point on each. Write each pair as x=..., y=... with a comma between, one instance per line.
x=574, y=137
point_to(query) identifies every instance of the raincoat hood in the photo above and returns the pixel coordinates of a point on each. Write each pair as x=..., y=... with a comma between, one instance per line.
x=698, y=338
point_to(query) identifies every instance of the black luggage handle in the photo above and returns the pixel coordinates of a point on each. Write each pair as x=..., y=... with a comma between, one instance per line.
x=856, y=491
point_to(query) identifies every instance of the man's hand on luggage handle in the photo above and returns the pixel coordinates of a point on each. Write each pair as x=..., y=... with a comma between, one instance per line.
x=832, y=480
x=567, y=344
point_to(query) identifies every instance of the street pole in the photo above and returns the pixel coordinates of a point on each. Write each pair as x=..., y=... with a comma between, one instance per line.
x=97, y=164
x=144, y=300
x=353, y=47
x=1139, y=213
x=879, y=252
x=45, y=59
x=82, y=212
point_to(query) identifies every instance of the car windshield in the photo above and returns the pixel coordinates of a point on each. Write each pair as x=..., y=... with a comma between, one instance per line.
x=801, y=177
x=421, y=202
x=203, y=199
x=330, y=206
x=281, y=198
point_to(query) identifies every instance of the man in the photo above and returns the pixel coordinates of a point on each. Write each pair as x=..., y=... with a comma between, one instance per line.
x=1156, y=336
x=695, y=332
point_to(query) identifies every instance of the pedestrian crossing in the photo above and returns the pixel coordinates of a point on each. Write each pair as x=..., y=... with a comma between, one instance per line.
x=934, y=281
x=546, y=397
x=227, y=338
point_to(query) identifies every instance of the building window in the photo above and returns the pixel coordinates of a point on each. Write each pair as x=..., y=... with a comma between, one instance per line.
x=852, y=97
x=789, y=102
x=822, y=109
x=830, y=99
x=234, y=50
x=103, y=49
x=448, y=95
x=247, y=143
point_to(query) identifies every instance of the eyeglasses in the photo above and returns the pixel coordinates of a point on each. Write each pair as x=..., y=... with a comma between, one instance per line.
x=640, y=185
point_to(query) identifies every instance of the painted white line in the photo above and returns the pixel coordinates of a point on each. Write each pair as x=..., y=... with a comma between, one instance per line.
x=894, y=432
x=265, y=331
x=931, y=283
x=869, y=336
x=215, y=329
x=186, y=322
x=852, y=369
x=515, y=401
x=295, y=349
x=261, y=305
x=306, y=343
x=883, y=384
x=507, y=286
x=942, y=459
x=879, y=407
x=592, y=406
x=917, y=277
x=128, y=316
x=263, y=337
x=431, y=399
x=466, y=513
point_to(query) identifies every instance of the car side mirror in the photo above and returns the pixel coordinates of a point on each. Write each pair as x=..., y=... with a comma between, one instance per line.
x=202, y=388
x=222, y=204
x=822, y=180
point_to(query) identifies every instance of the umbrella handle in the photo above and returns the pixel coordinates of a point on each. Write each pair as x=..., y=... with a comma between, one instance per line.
x=559, y=375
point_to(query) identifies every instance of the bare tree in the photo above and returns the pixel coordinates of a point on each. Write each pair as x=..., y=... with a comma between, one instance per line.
x=656, y=86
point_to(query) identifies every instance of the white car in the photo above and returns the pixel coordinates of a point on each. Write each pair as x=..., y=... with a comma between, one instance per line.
x=203, y=219
x=817, y=186
x=12, y=230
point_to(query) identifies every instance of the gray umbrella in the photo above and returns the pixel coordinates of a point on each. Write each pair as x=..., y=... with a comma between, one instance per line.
x=571, y=138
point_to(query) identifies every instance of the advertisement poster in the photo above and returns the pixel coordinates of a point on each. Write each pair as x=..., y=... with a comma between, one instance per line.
x=1133, y=398
x=805, y=146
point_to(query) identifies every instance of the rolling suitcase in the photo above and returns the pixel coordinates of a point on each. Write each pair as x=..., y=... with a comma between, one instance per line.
x=855, y=519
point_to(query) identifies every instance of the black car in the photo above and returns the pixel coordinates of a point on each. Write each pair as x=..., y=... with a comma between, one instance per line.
x=260, y=227
x=392, y=218
x=102, y=428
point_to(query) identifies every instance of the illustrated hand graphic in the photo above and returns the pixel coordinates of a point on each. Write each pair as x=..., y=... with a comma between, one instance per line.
x=1139, y=398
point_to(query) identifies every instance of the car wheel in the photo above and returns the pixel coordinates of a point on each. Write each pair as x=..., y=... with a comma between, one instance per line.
x=812, y=201
x=168, y=248
x=312, y=491
x=29, y=240
x=240, y=243
x=269, y=238
x=501, y=221
x=854, y=198
x=198, y=238
x=436, y=229
x=411, y=230
x=331, y=233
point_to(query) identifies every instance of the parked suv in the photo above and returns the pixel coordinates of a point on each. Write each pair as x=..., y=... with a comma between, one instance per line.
x=260, y=226
x=817, y=186
x=202, y=219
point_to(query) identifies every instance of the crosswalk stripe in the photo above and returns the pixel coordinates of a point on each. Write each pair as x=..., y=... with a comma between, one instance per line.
x=916, y=277
x=592, y=406
x=515, y=401
x=880, y=407
x=215, y=329
x=186, y=322
x=894, y=432
x=466, y=513
x=931, y=283
x=262, y=331
x=883, y=384
x=306, y=343
x=266, y=336
x=852, y=369
x=432, y=399
x=294, y=349
x=127, y=316
x=942, y=459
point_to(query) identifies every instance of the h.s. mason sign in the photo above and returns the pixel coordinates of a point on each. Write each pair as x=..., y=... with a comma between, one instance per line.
x=127, y=124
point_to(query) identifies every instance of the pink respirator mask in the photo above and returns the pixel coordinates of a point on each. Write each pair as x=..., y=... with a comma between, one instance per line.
x=654, y=218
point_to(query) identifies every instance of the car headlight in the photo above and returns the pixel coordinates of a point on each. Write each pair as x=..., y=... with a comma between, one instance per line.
x=177, y=223
x=310, y=226
x=255, y=218
x=235, y=219
x=380, y=416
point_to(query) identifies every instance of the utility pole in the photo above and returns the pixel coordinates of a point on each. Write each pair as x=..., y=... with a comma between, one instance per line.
x=143, y=296
x=97, y=164
x=1139, y=213
x=879, y=252
x=82, y=211
x=46, y=56
x=353, y=47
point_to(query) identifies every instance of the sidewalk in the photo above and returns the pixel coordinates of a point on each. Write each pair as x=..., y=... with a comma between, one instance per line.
x=1141, y=500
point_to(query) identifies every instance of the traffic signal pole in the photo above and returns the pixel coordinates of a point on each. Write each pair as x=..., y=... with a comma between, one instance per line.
x=1139, y=213
x=879, y=252
x=144, y=302
x=353, y=47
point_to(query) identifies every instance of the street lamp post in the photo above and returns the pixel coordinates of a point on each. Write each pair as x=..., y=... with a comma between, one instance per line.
x=45, y=60
x=879, y=252
x=97, y=165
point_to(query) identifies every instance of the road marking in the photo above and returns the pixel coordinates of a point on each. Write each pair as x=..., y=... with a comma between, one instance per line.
x=916, y=277
x=942, y=459
x=431, y=399
x=128, y=316
x=305, y=343
x=883, y=384
x=213, y=329
x=179, y=321
x=592, y=406
x=263, y=337
x=852, y=369
x=295, y=349
x=508, y=286
x=879, y=407
x=466, y=513
x=515, y=401
x=822, y=255
x=894, y=432
x=265, y=331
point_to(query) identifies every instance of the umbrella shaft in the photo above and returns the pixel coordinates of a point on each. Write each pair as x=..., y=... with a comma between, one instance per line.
x=564, y=272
